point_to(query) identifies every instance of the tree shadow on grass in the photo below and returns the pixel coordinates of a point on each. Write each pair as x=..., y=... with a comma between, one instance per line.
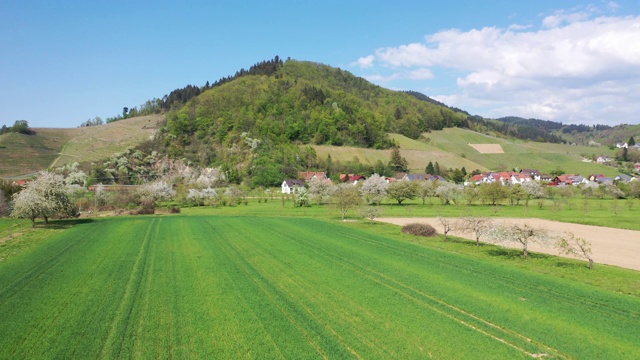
x=515, y=254
x=66, y=223
x=571, y=265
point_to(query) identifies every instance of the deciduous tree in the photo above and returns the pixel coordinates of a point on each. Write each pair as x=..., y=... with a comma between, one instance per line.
x=345, y=196
x=374, y=189
x=521, y=234
x=402, y=190
x=43, y=197
x=569, y=244
x=477, y=226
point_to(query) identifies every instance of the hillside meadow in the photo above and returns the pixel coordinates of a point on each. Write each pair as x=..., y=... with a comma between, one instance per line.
x=451, y=149
x=290, y=287
x=24, y=155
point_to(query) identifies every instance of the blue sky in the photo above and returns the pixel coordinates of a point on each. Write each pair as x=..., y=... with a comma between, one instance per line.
x=570, y=61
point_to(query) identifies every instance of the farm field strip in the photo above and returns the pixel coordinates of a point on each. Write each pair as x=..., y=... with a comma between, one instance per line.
x=230, y=287
x=518, y=283
x=442, y=307
x=631, y=317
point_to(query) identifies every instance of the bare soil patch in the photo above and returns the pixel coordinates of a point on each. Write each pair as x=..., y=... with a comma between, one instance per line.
x=488, y=148
x=7, y=238
x=610, y=246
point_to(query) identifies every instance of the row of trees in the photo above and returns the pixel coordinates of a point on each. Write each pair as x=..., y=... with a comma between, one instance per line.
x=20, y=127
x=516, y=233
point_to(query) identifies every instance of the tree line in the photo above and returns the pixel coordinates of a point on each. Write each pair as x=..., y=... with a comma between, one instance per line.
x=19, y=127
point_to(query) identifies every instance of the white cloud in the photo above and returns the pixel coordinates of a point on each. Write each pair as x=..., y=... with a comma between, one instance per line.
x=561, y=17
x=556, y=72
x=518, y=27
x=612, y=5
x=364, y=62
x=417, y=74
x=420, y=74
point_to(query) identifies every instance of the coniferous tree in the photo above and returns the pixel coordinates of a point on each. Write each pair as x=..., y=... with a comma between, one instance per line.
x=631, y=141
x=397, y=162
x=430, y=169
x=436, y=169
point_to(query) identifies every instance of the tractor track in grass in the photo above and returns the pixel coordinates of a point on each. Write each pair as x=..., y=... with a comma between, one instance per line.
x=600, y=307
x=375, y=276
x=246, y=299
x=115, y=336
x=42, y=269
x=286, y=308
x=311, y=293
x=458, y=313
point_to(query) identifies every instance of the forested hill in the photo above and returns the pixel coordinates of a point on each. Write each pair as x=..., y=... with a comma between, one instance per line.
x=302, y=103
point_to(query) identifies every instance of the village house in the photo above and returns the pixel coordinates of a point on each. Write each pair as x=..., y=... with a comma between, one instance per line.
x=309, y=175
x=603, y=159
x=352, y=178
x=533, y=173
x=624, y=178
x=292, y=186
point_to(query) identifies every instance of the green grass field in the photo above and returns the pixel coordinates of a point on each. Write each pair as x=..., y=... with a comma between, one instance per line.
x=282, y=287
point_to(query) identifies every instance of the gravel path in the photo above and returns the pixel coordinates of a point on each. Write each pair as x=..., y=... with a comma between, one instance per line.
x=608, y=245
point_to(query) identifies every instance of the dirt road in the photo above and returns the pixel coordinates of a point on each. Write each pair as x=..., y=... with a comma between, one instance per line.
x=609, y=246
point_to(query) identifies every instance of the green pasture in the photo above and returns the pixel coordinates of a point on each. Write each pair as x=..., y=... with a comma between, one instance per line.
x=206, y=286
x=451, y=149
x=26, y=154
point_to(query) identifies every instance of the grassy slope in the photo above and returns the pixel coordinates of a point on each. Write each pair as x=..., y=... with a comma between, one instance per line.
x=449, y=147
x=26, y=154
x=229, y=287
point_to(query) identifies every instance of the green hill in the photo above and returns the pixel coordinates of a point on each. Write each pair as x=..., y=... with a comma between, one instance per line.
x=277, y=118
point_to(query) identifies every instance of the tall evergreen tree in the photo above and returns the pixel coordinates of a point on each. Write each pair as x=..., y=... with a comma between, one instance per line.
x=631, y=141
x=430, y=170
x=436, y=169
x=397, y=162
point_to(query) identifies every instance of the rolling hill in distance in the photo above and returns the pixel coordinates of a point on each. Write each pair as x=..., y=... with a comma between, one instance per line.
x=267, y=115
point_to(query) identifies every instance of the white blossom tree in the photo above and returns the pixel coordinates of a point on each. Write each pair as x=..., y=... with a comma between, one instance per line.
x=477, y=226
x=374, y=189
x=319, y=190
x=448, y=192
x=371, y=212
x=569, y=244
x=44, y=197
x=521, y=234
x=159, y=191
x=198, y=197
x=426, y=189
x=533, y=189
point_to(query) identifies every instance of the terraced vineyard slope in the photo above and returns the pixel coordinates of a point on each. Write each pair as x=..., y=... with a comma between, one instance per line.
x=232, y=287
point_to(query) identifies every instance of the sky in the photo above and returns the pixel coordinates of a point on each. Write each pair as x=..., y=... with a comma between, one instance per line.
x=65, y=62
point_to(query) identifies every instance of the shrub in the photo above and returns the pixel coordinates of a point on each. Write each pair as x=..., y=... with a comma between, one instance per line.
x=419, y=229
x=174, y=210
